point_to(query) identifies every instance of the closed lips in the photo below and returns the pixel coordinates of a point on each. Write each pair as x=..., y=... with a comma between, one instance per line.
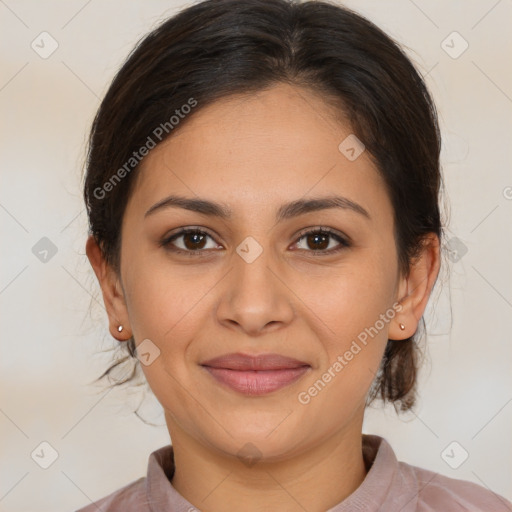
x=244, y=362
x=255, y=375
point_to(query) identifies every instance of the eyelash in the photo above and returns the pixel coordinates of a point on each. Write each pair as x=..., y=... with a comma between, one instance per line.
x=167, y=242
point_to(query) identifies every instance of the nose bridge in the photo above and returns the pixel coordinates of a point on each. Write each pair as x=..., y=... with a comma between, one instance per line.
x=254, y=296
x=252, y=278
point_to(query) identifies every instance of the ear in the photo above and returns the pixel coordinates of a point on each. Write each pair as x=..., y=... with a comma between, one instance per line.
x=112, y=291
x=415, y=288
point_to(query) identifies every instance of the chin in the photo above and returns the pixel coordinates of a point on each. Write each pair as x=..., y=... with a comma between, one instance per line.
x=266, y=439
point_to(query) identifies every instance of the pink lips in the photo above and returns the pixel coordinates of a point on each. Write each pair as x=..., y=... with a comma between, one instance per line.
x=255, y=375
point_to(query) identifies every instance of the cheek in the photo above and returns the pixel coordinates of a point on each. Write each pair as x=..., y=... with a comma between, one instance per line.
x=355, y=306
x=354, y=342
x=350, y=299
x=159, y=296
x=164, y=307
x=168, y=307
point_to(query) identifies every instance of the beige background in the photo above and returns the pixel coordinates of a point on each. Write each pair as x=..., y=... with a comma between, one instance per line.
x=50, y=341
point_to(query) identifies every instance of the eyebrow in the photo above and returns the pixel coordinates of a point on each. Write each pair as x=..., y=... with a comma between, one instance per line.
x=286, y=211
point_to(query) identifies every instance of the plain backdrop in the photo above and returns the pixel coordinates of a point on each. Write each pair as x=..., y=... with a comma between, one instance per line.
x=53, y=325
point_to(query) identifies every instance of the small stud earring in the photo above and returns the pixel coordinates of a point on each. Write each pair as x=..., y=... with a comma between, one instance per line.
x=120, y=328
x=402, y=327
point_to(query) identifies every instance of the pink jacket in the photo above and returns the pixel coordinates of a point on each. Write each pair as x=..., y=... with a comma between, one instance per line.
x=389, y=486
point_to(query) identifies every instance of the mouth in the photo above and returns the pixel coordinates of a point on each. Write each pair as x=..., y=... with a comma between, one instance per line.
x=255, y=375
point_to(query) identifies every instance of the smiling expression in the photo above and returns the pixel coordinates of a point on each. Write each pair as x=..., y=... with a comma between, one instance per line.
x=290, y=251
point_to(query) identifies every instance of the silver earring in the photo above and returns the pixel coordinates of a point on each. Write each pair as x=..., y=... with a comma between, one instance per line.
x=402, y=327
x=120, y=328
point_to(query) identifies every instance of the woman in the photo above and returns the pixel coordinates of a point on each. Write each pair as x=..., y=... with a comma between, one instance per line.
x=262, y=189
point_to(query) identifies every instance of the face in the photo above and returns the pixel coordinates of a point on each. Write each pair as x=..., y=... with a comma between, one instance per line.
x=258, y=280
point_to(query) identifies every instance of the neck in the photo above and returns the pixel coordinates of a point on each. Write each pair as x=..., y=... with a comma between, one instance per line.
x=315, y=480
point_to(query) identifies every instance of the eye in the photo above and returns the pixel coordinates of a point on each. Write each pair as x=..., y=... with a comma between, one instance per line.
x=189, y=241
x=193, y=241
x=319, y=241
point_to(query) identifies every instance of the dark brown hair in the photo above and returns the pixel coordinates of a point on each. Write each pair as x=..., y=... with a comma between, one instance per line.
x=218, y=48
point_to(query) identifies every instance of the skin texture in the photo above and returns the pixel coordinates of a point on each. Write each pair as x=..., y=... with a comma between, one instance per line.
x=253, y=154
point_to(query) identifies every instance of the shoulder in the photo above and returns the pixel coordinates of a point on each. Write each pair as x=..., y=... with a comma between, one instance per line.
x=129, y=497
x=137, y=496
x=436, y=492
x=395, y=485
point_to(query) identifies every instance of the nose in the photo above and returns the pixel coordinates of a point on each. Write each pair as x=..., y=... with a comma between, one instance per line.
x=255, y=297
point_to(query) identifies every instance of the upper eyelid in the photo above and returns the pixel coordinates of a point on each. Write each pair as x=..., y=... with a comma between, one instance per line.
x=330, y=231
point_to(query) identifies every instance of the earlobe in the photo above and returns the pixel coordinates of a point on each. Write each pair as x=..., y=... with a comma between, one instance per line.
x=415, y=289
x=113, y=297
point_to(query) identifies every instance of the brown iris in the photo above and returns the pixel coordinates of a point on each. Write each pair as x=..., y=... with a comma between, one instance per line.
x=197, y=240
x=315, y=237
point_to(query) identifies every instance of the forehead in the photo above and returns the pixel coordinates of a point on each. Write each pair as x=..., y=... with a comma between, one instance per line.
x=259, y=149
